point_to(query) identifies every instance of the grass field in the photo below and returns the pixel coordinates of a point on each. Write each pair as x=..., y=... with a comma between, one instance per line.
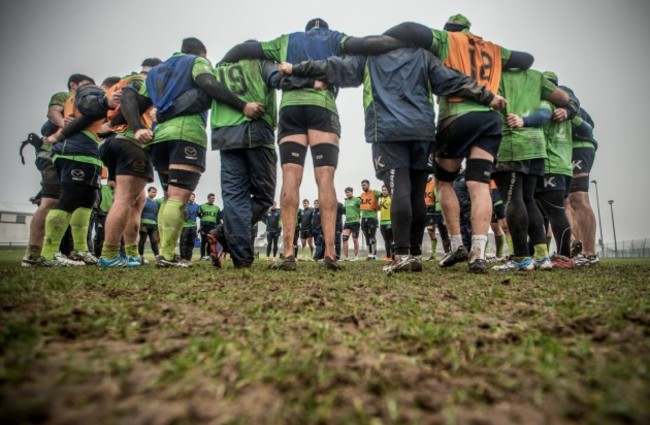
x=148, y=346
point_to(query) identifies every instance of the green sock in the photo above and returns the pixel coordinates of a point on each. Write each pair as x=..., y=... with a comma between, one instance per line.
x=434, y=246
x=541, y=251
x=110, y=251
x=501, y=243
x=170, y=224
x=131, y=250
x=79, y=223
x=160, y=213
x=56, y=223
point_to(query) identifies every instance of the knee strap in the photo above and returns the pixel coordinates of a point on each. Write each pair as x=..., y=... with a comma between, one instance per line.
x=444, y=175
x=478, y=170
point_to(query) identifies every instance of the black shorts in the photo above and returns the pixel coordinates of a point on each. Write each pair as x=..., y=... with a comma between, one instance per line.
x=354, y=227
x=75, y=172
x=480, y=129
x=177, y=152
x=583, y=160
x=553, y=183
x=369, y=224
x=306, y=234
x=148, y=227
x=299, y=119
x=409, y=155
x=529, y=167
x=124, y=157
x=206, y=227
x=50, y=185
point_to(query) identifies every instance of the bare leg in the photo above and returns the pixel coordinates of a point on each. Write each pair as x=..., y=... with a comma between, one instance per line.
x=346, y=232
x=327, y=205
x=37, y=227
x=133, y=226
x=326, y=191
x=127, y=190
x=448, y=198
x=584, y=220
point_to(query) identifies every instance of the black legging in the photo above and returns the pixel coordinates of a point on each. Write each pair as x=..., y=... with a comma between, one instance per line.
x=152, y=232
x=205, y=242
x=408, y=211
x=369, y=228
x=387, y=233
x=272, y=243
x=186, y=244
x=553, y=205
x=522, y=213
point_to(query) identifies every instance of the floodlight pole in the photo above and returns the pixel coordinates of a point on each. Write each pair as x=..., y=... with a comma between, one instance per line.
x=600, y=221
x=611, y=207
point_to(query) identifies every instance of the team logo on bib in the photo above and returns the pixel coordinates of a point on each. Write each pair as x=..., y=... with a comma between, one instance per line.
x=77, y=175
x=190, y=152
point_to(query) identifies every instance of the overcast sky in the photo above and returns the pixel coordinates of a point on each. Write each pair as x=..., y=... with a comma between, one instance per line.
x=598, y=48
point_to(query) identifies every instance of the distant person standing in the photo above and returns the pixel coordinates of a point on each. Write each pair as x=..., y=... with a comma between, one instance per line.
x=340, y=215
x=306, y=235
x=434, y=218
x=189, y=234
x=273, y=229
x=149, y=223
x=210, y=216
x=384, y=222
x=369, y=207
x=317, y=231
x=352, y=222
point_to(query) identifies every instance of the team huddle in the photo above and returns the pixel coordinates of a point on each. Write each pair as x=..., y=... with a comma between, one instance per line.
x=499, y=123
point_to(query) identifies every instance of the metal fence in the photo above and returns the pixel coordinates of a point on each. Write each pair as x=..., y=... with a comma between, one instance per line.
x=637, y=248
x=13, y=244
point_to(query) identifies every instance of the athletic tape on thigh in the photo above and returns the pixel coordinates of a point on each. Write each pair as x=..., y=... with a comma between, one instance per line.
x=184, y=179
x=325, y=155
x=292, y=153
x=580, y=184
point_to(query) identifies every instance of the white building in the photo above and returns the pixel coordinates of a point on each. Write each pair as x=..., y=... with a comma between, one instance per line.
x=14, y=223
